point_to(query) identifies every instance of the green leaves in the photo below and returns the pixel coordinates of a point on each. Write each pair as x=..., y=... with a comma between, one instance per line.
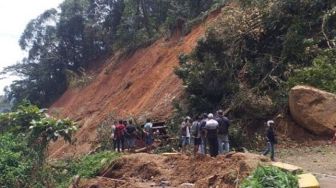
x=20, y=120
x=322, y=73
x=86, y=167
x=15, y=161
x=37, y=127
x=90, y=165
x=24, y=139
x=270, y=177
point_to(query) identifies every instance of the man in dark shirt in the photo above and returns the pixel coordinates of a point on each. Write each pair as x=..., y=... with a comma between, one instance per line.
x=271, y=140
x=131, y=134
x=223, y=132
x=196, y=134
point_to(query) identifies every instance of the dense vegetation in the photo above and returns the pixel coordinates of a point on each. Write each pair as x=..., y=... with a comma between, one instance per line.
x=24, y=137
x=268, y=176
x=65, y=41
x=255, y=52
x=86, y=167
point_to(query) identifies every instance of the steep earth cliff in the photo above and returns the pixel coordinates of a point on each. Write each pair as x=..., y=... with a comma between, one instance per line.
x=141, y=85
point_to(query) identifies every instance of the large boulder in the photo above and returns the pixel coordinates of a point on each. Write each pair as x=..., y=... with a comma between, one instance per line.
x=313, y=109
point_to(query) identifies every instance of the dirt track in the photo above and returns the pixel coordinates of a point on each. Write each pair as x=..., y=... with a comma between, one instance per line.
x=318, y=159
x=149, y=170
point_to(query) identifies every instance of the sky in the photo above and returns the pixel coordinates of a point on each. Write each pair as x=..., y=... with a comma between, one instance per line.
x=14, y=16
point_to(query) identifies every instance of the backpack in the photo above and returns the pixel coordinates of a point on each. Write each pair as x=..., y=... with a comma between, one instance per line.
x=223, y=125
x=195, y=129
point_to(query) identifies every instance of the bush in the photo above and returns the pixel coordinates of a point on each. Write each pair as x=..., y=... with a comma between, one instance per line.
x=89, y=165
x=25, y=136
x=38, y=128
x=16, y=161
x=268, y=176
x=86, y=167
x=104, y=132
x=19, y=120
x=322, y=74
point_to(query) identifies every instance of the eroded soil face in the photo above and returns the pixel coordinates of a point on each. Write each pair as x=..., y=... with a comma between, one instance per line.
x=139, y=85
x=149, y=170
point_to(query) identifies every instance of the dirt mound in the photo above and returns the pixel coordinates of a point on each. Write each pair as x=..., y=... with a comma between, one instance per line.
x=141, y=85
x=148, y=170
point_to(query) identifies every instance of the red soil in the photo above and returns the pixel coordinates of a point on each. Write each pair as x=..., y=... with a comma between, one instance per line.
x=148, y=170
x=142, y=85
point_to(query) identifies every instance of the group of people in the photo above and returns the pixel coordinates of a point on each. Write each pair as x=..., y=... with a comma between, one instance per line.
x=125, y=133
x=211, y=133
x=206, y=130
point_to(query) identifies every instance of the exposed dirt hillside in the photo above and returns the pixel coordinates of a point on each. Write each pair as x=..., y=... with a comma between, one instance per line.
x=141, y=85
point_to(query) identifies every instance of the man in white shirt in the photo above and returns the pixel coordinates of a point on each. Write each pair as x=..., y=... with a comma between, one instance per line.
x=185, y=133
x=148, y=134
x=211, y=128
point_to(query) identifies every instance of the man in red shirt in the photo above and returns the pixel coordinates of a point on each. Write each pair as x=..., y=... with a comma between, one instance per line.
x=119, y=134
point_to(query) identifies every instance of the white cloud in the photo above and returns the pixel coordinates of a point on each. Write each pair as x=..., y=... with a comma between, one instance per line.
x=14, y=16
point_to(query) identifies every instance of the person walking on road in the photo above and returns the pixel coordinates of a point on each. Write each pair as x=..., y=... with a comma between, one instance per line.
x=211, y=134
x=271, y=139
x=223, y=132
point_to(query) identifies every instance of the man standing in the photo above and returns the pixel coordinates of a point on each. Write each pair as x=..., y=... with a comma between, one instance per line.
x=211, y=134
x=185, y=133
x=196, y=134
x=271, y=140
x=114, y=141
x=120, y=133
x=223, y=132
x=203, y=134
x=148, y=134
x=131, y=131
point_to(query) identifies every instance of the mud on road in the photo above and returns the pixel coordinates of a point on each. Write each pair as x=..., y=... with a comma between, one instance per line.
x=149, y=170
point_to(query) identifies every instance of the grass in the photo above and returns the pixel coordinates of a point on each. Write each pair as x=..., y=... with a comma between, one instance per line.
x=270, y=177
x=86, y=167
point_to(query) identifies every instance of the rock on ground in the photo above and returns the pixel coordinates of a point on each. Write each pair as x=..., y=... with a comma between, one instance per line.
x=313, y=109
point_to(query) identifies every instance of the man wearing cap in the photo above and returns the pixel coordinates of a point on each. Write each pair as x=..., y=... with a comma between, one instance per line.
x=211, y=128
x=271, y=140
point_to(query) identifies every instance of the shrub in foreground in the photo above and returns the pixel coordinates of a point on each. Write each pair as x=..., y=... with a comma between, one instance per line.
x=268, y=176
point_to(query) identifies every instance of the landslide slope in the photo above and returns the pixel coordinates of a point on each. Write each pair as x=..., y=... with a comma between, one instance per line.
x=140, y=85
